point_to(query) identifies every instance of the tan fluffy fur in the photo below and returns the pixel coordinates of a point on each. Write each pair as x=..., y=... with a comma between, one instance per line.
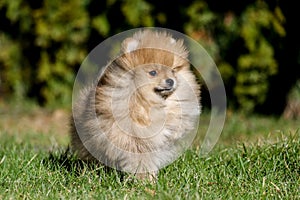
x=126, y=124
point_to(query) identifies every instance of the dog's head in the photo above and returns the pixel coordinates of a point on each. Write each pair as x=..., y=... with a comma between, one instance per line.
x=155, y=58
x=156, y=67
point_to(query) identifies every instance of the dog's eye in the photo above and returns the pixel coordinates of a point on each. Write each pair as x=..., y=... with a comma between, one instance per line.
x=153, y=73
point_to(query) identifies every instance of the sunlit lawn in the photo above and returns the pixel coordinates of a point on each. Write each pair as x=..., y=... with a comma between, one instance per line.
x=256, y=157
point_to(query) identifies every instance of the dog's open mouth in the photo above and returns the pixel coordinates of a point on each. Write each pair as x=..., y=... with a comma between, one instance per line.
x=164, y=91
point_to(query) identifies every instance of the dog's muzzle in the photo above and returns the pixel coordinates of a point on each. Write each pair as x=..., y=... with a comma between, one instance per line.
x=165, y=89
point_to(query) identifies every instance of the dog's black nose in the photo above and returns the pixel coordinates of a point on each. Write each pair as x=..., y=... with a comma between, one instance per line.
x=170, y=82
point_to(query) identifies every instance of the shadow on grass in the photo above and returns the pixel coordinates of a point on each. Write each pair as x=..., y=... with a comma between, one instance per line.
x=65, y=160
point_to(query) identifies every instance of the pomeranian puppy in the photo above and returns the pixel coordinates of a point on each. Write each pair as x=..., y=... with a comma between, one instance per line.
x=144, y=105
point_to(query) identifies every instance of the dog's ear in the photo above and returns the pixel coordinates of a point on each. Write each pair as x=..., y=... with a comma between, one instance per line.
x=180, y=63
x=177, y=68
x=172, y=40
x=129, y=45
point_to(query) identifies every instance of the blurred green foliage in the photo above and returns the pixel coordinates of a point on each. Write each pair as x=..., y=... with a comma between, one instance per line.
x=254, y=61
x=42, y=43
x=256, y=65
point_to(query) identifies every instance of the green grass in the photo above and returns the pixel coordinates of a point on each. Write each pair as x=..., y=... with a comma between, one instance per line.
x=256, y=157
x=260, y=171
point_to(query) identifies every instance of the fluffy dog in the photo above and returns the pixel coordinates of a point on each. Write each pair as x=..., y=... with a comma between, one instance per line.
x=143, y=106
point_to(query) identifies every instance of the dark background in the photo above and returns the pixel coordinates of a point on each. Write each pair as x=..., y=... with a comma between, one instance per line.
x=255, y=45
